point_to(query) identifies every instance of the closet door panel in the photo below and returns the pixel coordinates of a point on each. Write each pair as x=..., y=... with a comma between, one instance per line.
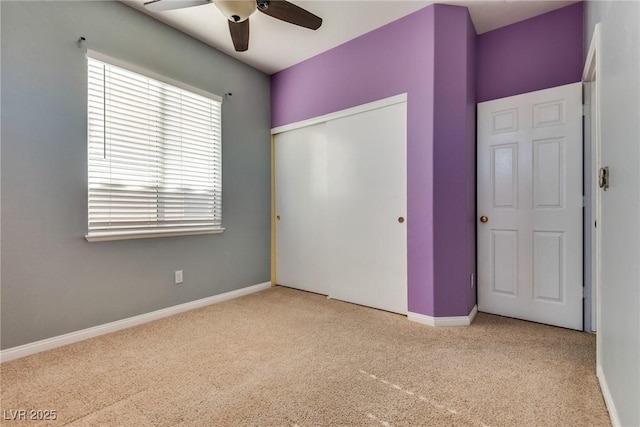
x=301, y=206
x=366, y=241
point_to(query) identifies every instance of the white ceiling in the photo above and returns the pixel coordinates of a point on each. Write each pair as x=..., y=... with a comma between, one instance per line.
x=275, y=45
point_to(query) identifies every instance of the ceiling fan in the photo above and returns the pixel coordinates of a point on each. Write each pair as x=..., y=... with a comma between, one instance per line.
x=238, y=12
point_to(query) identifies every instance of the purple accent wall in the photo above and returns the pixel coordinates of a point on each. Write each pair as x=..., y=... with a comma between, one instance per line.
x=539, y=53
x=393, y=59
x=454, y=164
x=403, y=56
x=471, y=214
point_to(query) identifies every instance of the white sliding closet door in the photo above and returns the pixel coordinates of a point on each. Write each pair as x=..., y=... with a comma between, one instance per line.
x=340, y=208
x=301, y=206
x=367, y=235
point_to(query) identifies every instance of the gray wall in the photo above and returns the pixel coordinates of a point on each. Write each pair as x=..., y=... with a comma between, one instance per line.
x=619, y=81
x=53, y=281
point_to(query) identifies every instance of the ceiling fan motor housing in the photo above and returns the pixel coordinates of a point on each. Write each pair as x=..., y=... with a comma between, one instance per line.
x=236, y=10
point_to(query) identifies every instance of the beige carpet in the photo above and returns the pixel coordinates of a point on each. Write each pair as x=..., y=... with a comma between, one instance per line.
x=283, y=358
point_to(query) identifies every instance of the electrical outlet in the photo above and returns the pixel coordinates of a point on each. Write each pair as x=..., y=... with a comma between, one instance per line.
x=178, y=276
x=473, y=280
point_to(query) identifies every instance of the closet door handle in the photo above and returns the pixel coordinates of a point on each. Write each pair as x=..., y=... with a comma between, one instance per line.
x=401, y=219
x=603, y=178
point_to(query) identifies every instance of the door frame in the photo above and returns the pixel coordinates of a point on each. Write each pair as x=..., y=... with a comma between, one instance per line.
x=592, y=203
x=273, y=211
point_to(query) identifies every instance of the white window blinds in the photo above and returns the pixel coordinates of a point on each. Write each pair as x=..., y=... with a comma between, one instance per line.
x=154, y=155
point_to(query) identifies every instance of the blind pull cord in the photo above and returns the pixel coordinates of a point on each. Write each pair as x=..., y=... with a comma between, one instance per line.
x=104, y=111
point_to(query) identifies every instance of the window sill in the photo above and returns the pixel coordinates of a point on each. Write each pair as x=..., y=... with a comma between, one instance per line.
x=128, y=235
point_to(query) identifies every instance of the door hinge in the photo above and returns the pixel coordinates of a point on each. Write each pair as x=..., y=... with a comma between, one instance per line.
x=584, y=110
x=586, y=293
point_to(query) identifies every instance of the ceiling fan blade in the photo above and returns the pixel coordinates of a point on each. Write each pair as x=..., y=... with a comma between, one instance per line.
x=162, y=5
x=240, y=35
x=289, y=12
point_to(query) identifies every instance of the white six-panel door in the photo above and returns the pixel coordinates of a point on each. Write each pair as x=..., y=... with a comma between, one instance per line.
x=340, y=192
x=530, y=206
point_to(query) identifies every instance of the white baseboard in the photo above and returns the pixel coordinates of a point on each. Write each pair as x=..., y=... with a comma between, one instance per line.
x=608, y=399
x=73, y=337
x=444, y=321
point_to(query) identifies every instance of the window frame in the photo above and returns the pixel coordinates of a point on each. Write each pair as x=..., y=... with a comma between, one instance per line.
x=158, y=231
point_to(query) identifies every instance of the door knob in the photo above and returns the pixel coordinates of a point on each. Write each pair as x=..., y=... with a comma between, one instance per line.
x=401, y=219
x=278, y=217
x=484, y=219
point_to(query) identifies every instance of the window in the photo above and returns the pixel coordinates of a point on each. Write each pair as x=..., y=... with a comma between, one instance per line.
x=154, y=155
